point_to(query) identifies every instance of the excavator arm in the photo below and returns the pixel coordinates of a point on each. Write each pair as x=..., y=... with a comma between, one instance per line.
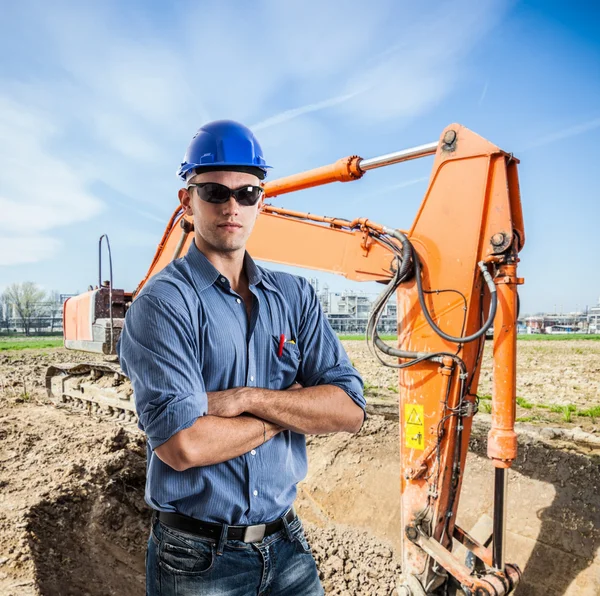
x=454, y=274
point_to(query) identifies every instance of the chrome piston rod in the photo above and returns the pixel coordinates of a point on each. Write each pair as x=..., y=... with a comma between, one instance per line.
x=398, y=156
x=499, y=527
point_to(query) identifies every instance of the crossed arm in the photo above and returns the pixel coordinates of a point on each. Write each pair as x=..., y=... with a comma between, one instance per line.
x=234, y=423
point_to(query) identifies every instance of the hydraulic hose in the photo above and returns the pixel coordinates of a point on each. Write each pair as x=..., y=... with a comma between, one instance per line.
x=486, y=275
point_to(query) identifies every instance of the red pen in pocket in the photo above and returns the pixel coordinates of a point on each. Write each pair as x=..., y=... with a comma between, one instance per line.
x=281, y=343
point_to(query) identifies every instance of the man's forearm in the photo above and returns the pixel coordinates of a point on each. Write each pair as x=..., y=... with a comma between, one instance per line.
x=212, y=440
x=310, y=410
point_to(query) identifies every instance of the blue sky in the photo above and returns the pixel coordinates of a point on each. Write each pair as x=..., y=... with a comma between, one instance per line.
x=98, y=102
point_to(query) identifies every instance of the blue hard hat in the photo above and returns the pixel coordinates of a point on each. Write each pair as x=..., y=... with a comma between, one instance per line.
x=226, y=145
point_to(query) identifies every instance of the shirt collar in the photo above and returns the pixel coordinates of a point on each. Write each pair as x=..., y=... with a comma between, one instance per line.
x=256, y=275
x=205, y=274
x=202, y=270
x=252, y=271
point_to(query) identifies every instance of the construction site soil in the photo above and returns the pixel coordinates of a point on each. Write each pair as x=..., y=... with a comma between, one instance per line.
x=73, y=519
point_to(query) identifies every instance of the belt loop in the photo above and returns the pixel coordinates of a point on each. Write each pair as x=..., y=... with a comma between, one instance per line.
x=222, y=539
x=286, y=525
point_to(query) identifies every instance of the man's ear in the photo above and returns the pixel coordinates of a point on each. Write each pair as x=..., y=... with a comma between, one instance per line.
x=186, y=201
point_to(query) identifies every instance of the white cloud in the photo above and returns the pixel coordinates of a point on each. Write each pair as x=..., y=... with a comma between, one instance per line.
x=483, y=92
x=295, y=112
x=565, y=133
x=115, y=130
x=17, y=250
x=39, y=190
x=424, y=66
x=387, y=189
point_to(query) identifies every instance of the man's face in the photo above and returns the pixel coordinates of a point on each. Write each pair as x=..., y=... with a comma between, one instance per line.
x=223, y=228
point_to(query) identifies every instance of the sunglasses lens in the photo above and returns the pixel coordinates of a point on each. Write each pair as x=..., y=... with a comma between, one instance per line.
x=211, y=192
x=248, y=195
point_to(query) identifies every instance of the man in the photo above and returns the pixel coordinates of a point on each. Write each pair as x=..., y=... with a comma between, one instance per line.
x=231, y=365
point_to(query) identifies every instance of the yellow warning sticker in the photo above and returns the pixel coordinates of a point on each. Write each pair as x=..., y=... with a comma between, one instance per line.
x=414, y=426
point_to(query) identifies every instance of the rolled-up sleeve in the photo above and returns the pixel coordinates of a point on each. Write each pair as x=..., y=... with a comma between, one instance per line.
x=324, y=360
x=158, y=352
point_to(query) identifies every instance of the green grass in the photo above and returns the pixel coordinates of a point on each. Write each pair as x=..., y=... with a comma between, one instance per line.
x=561, y=409
x=521, y=337
x=567, y=412
x=558, y=336
x=521, y=401
x=525, y=419
x=29, y=343
x=363, y=337
x=486, y=407
x=593, y=412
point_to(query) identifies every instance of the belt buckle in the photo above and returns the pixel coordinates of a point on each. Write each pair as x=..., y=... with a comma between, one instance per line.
x=254, y=533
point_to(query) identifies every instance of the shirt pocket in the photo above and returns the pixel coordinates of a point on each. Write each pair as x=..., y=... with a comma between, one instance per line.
x=283, y=369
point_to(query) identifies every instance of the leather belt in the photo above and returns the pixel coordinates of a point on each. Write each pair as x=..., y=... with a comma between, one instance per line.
x=254, y=533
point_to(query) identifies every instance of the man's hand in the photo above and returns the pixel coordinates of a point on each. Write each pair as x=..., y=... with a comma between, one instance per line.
x=233, y=402
x=228, y=403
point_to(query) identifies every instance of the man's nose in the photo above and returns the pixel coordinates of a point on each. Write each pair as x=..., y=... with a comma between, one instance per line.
x=231, y=206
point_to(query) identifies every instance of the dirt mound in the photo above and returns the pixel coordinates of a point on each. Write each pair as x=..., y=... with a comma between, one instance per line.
x=353, y=563
x=23, y=372
x=86, y=539
x=72, y=515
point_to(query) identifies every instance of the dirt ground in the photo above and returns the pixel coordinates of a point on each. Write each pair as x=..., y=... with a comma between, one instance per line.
x=550, y=375
x=73, y=520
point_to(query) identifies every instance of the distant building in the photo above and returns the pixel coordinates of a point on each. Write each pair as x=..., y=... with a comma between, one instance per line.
x=348, y=311
x=552, y=323
x=593, y=319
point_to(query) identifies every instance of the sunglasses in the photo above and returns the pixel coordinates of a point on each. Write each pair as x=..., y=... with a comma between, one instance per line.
x=213, y=192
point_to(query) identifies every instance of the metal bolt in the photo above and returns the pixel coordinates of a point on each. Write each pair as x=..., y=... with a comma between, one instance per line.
x=450, y=137
x=411, y=533
x=498, y=239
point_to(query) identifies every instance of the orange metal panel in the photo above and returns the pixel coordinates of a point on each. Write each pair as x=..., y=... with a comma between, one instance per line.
x=77, y=312
x=305, y=244
x=467, y=203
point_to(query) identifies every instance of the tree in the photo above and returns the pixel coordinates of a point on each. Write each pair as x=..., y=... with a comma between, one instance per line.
x=28, y=300
x=55, y=309
x=5, y=313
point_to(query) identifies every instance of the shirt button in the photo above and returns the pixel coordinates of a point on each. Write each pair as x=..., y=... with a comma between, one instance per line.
x=253, y=452
x=252, y=378
x=255, y=493
x=238, y=300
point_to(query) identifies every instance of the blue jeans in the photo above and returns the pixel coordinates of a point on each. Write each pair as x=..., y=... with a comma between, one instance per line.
x=182, y=564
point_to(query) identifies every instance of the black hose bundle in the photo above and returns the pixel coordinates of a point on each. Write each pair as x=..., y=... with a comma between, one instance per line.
x=407, y=264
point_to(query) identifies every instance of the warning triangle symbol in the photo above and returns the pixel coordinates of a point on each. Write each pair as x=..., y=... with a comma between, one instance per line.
x=414, y=417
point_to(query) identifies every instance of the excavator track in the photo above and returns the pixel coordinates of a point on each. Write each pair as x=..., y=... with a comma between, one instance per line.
x=100, y=389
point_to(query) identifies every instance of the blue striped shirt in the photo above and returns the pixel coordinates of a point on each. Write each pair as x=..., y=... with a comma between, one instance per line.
x=187, y=333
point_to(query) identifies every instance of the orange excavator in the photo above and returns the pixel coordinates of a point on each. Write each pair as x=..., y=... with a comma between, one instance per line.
x=454, y=274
